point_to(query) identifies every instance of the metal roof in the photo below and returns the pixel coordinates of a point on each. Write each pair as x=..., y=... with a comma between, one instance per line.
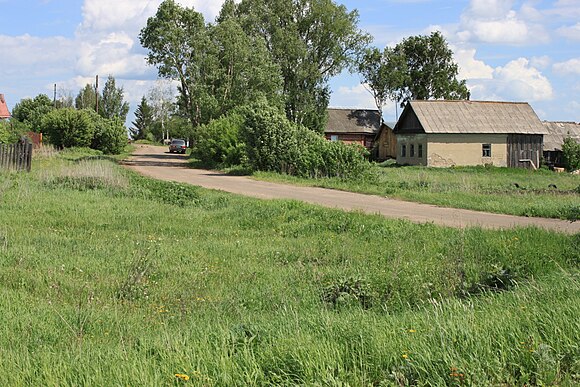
x=558, y=132
x=353, y=121
x=4, y=112
x=477, y=117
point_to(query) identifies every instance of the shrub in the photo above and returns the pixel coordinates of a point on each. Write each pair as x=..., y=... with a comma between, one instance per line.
x=68, y=128
x=218, y=142
x=6, y=135
x=571, y=151
x=275, y=144
x=110, y=135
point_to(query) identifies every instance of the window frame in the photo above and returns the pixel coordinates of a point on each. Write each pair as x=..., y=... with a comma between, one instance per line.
x=486, y=150
x=403, y=150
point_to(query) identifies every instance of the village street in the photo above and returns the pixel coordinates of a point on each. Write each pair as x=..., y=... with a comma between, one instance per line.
x=155, y=162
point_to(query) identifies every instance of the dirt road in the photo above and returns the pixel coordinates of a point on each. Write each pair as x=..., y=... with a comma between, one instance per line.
x=155, y=162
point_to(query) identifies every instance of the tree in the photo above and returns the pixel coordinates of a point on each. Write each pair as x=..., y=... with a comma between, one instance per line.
x=571, y=152
x=311, y=41
x=420, y=67
x=111, y=104
x=31, y=111
x=87, y=98
x=109, y=136
x=69, y=127
x=143, y=121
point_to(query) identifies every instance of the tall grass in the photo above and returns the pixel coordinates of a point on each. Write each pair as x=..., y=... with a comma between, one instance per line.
x=135, y=283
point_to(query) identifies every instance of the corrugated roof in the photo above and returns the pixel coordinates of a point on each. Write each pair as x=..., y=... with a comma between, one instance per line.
x=4, y=112
x=353, y=121
x=558, y=131
x=477, y=117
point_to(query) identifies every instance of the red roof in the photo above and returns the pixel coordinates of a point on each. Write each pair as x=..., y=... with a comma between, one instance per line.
x=4, y=113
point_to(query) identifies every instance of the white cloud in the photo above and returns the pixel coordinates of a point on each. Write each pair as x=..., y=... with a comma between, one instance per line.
x=494, y=21
x=570, y=32
x=540, y=62
x=471, y=68
x=571, y=66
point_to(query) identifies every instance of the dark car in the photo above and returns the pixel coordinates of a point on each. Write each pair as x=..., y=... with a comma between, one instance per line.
x=177, y=145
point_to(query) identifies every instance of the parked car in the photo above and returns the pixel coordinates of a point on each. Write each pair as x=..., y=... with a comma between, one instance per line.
x=177, y=145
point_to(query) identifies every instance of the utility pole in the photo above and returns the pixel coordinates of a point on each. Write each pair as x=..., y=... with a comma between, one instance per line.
x=54, y=100
x=97, y=94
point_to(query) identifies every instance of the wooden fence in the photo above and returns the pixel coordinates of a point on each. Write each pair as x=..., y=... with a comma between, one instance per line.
x=16, y=156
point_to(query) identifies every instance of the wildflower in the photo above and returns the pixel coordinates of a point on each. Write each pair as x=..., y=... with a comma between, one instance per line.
x=182, y=377
x=405, y=356
x=412, y=331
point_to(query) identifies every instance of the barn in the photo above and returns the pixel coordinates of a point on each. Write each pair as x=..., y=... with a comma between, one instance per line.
x=453, y=133
x=553, y=141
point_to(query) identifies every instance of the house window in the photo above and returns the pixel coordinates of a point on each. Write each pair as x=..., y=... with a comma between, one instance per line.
x=403, y=150
x=334, y=137
x=486, y=150
x=420, y=151
x=412, y=150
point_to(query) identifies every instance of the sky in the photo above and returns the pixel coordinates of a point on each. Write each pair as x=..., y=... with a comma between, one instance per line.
x=507, y=50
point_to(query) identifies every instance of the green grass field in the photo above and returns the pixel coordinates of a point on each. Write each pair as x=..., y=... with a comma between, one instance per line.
x=474, y=188
x=108, y=278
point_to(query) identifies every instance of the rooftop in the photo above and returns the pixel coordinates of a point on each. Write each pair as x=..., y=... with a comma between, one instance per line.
x=353, y=121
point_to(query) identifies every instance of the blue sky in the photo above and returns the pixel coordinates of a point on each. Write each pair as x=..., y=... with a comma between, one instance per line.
x=508, y=50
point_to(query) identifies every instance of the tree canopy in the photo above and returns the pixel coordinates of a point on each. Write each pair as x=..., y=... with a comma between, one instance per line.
x=420, y=67
x=31, y=111
x=111, y=103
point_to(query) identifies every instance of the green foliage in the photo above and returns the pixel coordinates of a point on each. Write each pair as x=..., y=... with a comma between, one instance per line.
x=30, y=112
x=273, y=143
x=110, y=135
x=69, y=128
x=420, y=67
x=86, y=98
x=10, y=131
x=111, y=104
x=219, y=143
x=571, y=152
x=143, y=121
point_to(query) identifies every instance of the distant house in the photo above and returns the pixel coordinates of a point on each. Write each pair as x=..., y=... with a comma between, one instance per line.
x=4, y=112
x=448, y=133
x=386, y=142
x=353, y=126
x=557, y=133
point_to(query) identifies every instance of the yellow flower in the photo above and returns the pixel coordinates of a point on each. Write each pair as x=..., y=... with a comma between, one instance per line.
x=412, y=331
x=182, y=377
x=405, y=356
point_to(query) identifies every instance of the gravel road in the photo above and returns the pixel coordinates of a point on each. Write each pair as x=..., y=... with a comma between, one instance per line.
x=155, y=162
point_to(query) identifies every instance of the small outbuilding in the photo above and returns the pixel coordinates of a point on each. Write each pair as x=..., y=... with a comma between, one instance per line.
x=449, y=133
x=353, y=126
x=4, y=112
x=553, y=141
x=386, y=142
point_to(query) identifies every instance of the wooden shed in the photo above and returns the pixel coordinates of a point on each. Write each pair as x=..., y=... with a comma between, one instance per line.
x=353, y=126
x=448, y=133
x=553, y=141
x=386, y=142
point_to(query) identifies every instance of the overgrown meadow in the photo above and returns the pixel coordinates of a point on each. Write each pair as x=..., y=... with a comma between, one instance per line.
x=109, y=278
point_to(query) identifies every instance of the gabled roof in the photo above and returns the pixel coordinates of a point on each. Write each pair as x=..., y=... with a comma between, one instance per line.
x=4, y=112
x=353, y=121
x=476, y=117
x=558, y=132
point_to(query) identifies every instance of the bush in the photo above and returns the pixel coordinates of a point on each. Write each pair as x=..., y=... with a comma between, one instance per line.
x=275, y=144
x=68, y=128
x=571, y=151
x=7, y=133
x=110, y=136
x=218, y=142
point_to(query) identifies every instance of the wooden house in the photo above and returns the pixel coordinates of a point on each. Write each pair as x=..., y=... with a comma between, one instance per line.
x=353, y=126
x=386, y=142
x=4, y=112
x=553, y=141
x=448, y=133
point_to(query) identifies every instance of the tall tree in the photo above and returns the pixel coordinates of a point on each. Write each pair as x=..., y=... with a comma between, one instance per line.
x=111, y=104
x=178, y=44
x=86, y=98
x=420, y=67
x=311, y=41
x=143, y=121
x=161, y=98
x=31, y=111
